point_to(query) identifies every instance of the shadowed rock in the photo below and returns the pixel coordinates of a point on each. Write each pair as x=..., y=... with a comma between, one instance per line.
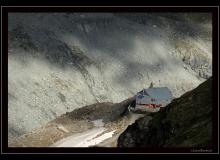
x=186, y=122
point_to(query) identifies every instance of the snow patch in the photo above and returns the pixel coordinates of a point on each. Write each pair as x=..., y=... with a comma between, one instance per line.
x=98, y=123
x=85, y=139
x=62, y=128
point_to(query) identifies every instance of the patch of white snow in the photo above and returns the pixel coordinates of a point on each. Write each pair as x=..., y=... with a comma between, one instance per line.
x=85, y=139
x=98, y=123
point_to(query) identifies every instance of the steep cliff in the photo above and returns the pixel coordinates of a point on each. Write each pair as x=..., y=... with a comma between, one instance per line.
x=186, y=122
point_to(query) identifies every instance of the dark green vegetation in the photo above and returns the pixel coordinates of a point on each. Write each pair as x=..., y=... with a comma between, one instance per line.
x=186, y=122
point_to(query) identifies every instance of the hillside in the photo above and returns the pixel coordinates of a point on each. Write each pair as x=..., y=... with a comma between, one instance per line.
x=83, y=127
x=58, y=62
x=186, y=122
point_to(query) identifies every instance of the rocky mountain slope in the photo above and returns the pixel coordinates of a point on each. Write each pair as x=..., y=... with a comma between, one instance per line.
x=186, y=122
x=58, y=62
x=72, y=128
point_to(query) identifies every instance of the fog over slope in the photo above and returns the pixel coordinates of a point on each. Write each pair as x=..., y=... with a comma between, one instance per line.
x=58, y=62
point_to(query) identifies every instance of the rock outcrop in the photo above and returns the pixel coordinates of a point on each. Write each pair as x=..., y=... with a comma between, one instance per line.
x=185, y=122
